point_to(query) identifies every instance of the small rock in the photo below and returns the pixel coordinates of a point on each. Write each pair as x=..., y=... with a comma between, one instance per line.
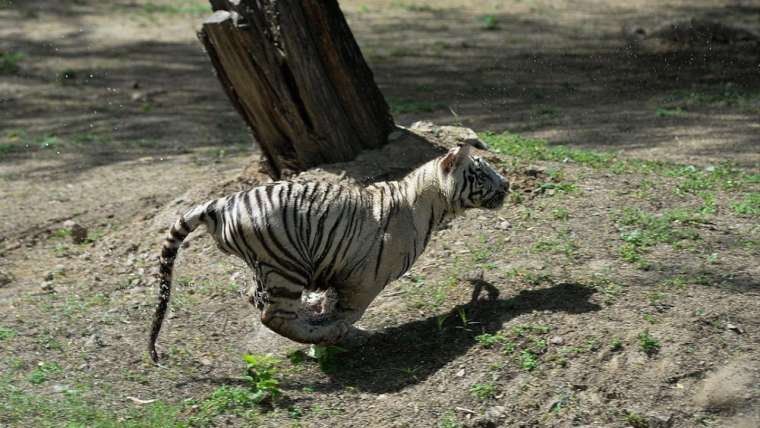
x=659, y=421
x=49, y=276
x=557, y=340
x=504, y=225
x=481, y=422
x=381, y=397
x=496, y=412
x=78, y=232
x=48, y=287
x=94, y=341
x=734, y=328
x=460, y=373
x=5, y=278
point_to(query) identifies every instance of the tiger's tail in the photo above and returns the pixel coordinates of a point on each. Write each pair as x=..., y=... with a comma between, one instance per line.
x=178, y=232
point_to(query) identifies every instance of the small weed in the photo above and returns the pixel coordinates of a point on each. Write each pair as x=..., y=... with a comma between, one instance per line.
x=449, y=420
x=326, y=356
x=9, y=62
x=528, y=360
x=483, y=391
x=42, y=372
x=7, y=333
x=490, y=23
x=635, y=420
x=649, y=318
x=536, y=279
x=749, y=206
x=670, y=112
x=648, y=344
x=561, y=213
x=616, y=344
x=261, y=372
x=488, y=340
x=226, y=400
x=463, y=317
x=565, y=398
x=295, y=412
x=522, y=329
x=609, y=289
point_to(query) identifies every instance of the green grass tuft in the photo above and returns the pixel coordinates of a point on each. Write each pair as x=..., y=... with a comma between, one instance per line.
x=9, y=62
x=749, y=206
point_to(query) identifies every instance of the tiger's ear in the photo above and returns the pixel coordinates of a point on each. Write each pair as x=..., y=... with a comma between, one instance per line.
x=455, y=158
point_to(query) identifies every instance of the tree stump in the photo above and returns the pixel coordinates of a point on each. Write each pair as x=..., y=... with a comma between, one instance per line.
x=294, y=72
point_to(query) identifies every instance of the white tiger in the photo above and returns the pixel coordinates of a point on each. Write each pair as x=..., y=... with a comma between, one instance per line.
x=304, y=238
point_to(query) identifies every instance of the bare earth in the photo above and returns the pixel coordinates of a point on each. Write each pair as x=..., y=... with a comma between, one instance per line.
x=113, y=118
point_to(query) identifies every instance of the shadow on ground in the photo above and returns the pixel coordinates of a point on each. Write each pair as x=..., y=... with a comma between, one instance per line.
x=409, y=353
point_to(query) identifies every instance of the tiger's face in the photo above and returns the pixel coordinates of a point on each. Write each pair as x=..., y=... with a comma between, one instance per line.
x=472, y=182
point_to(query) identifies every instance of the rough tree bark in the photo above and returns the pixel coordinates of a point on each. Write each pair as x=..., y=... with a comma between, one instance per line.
x=294, y=72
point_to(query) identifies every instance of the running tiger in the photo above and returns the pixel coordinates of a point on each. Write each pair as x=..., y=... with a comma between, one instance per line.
x=309, y=239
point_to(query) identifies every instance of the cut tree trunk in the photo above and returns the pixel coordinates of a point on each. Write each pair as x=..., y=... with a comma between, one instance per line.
x=294, y=72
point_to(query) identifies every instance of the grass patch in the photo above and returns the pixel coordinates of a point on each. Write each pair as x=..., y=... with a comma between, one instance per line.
x=670, y=112
x=483, y=391
x=412, y=7
x=7, y=333
x=175, y=7
x=538, y=149
x=641, y=230
x=749, y=206
x=727, y=95
x=490, y=22
x=9, y=62
x=43, y=372
x=403, y=106
x=648, y=344
x=691, y=179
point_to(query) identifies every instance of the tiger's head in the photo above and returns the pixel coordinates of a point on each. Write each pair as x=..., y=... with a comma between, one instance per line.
x=471, y=182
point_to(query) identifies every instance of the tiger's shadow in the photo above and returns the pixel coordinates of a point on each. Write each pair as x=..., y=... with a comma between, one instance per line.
x=407, y=354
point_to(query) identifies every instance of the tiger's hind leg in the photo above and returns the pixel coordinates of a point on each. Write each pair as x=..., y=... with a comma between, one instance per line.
x=301, y=326
x=286, y=312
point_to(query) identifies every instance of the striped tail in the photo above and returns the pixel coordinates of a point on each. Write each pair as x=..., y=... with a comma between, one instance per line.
x=183, y=227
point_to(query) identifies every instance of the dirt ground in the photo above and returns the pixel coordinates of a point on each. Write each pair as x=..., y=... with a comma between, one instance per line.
x=623, y=271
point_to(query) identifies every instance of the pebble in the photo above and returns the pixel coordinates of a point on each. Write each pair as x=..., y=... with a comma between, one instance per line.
x=557, y=340
x=5, y=278
x=48, y=287
x=504, y=225
x=78, y=232
x=659, y=421
x=94, y=341
x=496, y=412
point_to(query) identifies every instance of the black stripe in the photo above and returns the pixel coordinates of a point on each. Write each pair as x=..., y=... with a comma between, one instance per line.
x=382, y=236
x=285, y=205
x=284, y=293
x=288, y=264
